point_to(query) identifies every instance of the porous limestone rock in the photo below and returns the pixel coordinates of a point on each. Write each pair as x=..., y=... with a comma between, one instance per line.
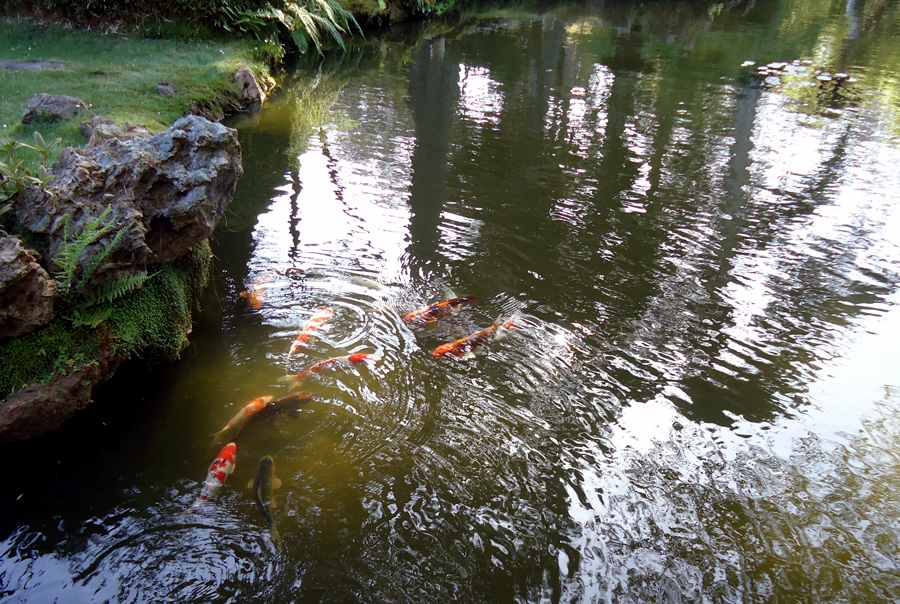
x=167, y=191
x=42, y=408
x=250, y=95
x=26, y=290
x=45, y=107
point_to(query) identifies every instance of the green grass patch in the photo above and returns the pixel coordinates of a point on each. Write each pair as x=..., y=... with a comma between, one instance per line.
x=116, y=75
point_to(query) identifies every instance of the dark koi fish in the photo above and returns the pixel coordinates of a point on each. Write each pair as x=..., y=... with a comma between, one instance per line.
x=237, y=423
x=309, y=329
x=264, y=486
x=437, y=311
x=353, y=359
x=221, y=467
x=286, y=404
x=465, y=346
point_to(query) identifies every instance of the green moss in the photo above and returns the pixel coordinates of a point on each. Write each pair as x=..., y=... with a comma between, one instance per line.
x=155, y=321
x=152, y=323
x=37, y=356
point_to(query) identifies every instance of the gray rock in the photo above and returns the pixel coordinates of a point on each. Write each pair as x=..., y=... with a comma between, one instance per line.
x=26, y=290
x=87, y=127
x=32, y=65
x=250, y=95
x=167, y=90
x=45, y=107
x=166, y=190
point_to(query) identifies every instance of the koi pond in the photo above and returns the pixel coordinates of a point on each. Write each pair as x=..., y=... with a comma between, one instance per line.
x=690, y=215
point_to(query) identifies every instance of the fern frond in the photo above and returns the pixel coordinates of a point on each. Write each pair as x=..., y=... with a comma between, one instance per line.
x=90, y=264
x=68, y=256
x=115, y=289
x=91, y=319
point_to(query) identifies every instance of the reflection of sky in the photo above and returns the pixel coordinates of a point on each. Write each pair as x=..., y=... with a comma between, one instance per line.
x=348, y=216
x=480, y=97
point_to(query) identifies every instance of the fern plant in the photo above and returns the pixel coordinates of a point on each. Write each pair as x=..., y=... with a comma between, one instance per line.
x=75, y=269
x=68, y=257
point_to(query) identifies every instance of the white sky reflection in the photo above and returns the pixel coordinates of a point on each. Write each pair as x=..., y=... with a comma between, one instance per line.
x=480, y=97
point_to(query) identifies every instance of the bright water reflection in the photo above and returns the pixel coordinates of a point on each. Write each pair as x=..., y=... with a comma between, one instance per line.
x=700, y=405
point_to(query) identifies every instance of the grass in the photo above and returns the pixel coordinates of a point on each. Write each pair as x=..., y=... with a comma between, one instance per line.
x=116, y=75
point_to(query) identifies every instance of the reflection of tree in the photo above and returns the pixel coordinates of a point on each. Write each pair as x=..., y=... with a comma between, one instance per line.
x=433, y=93
x=639, y=214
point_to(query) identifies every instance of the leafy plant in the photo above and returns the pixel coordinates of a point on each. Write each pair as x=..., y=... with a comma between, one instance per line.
x=15, y=177
x=309, y=22
x=68, y=258
x=76, y=267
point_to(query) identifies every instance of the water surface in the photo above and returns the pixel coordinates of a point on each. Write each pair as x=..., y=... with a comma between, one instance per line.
x=700, y=402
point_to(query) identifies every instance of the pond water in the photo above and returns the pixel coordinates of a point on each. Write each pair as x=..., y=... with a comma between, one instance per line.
x=700, y=401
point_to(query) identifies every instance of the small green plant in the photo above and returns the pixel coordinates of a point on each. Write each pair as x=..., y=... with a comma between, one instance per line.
x=69, y=256
x=75, y=268
x=15, y=177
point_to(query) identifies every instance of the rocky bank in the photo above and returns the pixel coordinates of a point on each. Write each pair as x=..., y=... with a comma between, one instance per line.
x=161, y=196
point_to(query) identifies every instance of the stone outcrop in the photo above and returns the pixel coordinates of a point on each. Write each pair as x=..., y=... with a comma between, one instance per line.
x=45, y=107
x=250, y=95
x=42, y=408
x=166, y=191
x=26, y=290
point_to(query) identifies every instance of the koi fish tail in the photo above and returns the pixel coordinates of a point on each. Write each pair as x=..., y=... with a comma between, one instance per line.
x=223, y=436
x=276, y=538
x=502, y=326
x=297, y=383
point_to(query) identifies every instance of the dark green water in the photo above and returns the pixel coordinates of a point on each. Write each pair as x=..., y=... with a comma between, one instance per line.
x=701, y=401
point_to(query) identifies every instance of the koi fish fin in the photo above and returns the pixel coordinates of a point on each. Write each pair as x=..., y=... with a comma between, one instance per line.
x=469, y=355
x=276, y=483
x=512, y=322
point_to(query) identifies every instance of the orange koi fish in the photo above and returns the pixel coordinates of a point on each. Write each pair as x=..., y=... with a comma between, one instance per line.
x=435, y=312
x=354, y=359
x=220, y=469
x=237, y=423
x=315, y=322
x=256, y=294
x=465, y=346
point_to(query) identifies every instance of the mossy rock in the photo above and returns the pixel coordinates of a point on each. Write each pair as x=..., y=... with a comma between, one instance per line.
x=152, y=323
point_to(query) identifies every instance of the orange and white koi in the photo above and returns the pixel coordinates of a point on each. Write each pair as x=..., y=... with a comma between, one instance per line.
x=309, y=329
x=237, y=423
x=436, y=311
x=333, y=363
x=465, y=346
x=220, y=469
